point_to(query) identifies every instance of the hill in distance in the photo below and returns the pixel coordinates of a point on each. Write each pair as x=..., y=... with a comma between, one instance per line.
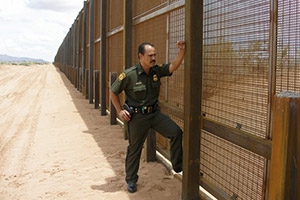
x=7, y=58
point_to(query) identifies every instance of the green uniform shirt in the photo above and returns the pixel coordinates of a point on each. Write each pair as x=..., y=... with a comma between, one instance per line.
x=141, y=89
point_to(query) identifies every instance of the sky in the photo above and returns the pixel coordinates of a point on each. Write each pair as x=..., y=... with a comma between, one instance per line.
x=35, y=28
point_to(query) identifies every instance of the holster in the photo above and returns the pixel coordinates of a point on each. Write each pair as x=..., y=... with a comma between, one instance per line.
x=128, y=108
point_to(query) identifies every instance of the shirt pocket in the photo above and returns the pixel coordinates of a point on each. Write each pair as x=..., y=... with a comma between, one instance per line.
x=140, y=92
x=156, y=88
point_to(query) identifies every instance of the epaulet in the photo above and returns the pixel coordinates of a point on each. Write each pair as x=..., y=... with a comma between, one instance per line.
x=126, y=71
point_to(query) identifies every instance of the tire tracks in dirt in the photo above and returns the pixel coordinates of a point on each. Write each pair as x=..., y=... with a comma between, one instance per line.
x=19, y=124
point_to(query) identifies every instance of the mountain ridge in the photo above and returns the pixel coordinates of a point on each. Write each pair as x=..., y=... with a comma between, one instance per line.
x=7, y=58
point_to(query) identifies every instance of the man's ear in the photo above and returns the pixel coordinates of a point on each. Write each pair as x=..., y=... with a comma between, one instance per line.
x=140, y=55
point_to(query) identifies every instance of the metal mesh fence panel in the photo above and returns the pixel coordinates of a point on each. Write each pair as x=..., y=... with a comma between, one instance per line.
x=175, y=92
x=153, y=31
x=141, y=8
x=115, y=56
x=115, y=11
x=288, y=46
x=235, y=91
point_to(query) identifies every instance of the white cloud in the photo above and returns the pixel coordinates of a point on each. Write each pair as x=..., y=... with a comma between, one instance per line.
x=54, y=5
x=35, y=28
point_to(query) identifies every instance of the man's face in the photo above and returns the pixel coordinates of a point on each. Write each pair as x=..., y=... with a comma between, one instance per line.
x=148, y=59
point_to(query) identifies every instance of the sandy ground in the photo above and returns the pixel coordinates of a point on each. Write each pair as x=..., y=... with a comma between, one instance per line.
x=55, y=145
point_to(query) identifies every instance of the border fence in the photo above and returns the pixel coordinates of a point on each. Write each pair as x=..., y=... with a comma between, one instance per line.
x=236, y=95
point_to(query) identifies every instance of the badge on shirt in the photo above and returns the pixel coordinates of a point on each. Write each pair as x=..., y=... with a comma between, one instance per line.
x=121, y=76
x=155, y=77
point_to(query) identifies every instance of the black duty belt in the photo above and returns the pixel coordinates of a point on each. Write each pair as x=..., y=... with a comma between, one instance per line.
x=145, y=109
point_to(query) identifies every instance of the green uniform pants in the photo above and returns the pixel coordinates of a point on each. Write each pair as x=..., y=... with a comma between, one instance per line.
x=138, y=129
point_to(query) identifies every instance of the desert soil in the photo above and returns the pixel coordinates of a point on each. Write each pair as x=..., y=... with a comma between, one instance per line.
x=55, y=145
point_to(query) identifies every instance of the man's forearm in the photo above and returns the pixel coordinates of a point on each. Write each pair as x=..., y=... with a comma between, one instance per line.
x=115, y=101
x=175, y=64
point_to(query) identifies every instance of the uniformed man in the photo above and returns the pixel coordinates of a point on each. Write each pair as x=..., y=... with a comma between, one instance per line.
x=141, y=84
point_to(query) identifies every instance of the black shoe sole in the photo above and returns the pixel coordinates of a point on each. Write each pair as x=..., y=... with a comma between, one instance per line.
x=131, y=188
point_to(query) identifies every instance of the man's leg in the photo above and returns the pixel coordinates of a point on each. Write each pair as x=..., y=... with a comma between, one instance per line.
x=169, y=129
x=137, y=134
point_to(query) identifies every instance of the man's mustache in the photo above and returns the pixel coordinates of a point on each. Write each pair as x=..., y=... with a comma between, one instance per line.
x=153, y=61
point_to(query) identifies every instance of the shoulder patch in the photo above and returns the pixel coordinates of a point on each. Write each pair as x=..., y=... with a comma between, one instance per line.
x=121, y=76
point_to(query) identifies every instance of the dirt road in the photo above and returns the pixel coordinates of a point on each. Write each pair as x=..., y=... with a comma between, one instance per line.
x=55, y=145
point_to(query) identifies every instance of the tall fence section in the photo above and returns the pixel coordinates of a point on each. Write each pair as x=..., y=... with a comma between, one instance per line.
x=249, y=88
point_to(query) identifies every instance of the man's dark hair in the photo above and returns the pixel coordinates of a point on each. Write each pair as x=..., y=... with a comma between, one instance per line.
x=141, y=49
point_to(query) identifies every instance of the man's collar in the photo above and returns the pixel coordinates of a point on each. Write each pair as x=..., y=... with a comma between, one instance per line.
x=141, y=70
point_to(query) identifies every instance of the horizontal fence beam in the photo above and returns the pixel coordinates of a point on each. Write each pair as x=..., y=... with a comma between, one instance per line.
x=159, y=12
x=138, y=19
x=241, y=138
x=215, y=191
